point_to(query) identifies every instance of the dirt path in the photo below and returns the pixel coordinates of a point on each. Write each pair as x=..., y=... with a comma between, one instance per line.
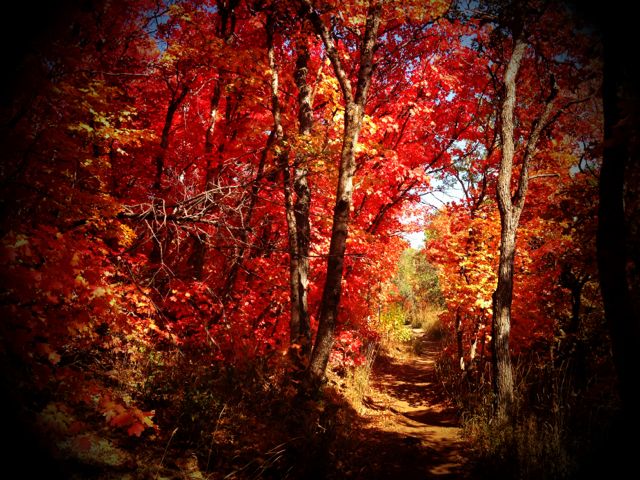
x=411, y=432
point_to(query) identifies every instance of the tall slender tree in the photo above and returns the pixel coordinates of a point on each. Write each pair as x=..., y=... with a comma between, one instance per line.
x=355, y=97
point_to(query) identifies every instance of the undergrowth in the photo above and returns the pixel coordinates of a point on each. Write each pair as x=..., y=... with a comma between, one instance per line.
x=358, y=378
x=560, y=423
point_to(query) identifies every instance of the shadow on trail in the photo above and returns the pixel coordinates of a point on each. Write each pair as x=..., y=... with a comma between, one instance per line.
x=439, y=418
x=367, y=450
x=390, y=455
x=416, y=382
x=408, y=430
x=403, y=429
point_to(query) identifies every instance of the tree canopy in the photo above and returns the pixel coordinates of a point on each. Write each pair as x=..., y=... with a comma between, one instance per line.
x=231, y=183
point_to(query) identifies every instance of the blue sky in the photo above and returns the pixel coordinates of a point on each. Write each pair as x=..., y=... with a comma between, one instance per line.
x=435, y=199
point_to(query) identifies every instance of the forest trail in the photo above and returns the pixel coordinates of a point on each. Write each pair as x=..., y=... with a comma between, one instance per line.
x=411, y=432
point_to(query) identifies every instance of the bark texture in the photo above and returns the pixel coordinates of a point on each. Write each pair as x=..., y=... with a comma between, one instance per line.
x=354, y=112
x=300, y=325
x=510, y=208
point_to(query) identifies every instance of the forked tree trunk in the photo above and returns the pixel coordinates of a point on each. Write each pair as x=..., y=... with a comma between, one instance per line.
x=509, y=217
x=353, y=115
x=510, y=208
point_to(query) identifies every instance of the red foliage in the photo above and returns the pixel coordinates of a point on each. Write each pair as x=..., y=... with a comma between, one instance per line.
x=146, y=193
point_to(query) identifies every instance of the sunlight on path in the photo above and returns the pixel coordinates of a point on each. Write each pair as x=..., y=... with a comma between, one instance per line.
x=407, y=410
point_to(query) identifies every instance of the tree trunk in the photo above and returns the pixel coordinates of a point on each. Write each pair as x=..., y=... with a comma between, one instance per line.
x=501, y=321
x=617, y=235
x=238, y=259
x=473, y=350
x=300, y=326
x=175, y=102
x=197, y=257
x=509, y=217
x=297, y=293
x=354, y=112
x=335, y=264
x=157, y=250
x=303, y=232
x=459, y=340
x=510, y=208
x=225, y=31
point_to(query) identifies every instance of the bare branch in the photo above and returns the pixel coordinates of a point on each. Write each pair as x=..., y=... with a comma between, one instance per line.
x=538, y=126
x=332, y=52
x=544, y=175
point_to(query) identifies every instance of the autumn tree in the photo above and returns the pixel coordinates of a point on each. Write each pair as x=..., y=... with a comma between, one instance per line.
x=517, y=21
x=510, y=210
x=296, y=191
x=215, y=182
x=526, y=92
x=354, y=104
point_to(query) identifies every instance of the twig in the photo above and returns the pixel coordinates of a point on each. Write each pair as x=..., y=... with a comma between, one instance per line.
x=166, y=448
x=213, y=436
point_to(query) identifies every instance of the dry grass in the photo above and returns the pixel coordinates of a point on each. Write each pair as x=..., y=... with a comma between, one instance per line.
x=528, y=448
x=357, y=381
x=428, y=319
x=553, y=433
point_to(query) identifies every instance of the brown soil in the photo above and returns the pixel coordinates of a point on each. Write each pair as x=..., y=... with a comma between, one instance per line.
x=410, y=431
